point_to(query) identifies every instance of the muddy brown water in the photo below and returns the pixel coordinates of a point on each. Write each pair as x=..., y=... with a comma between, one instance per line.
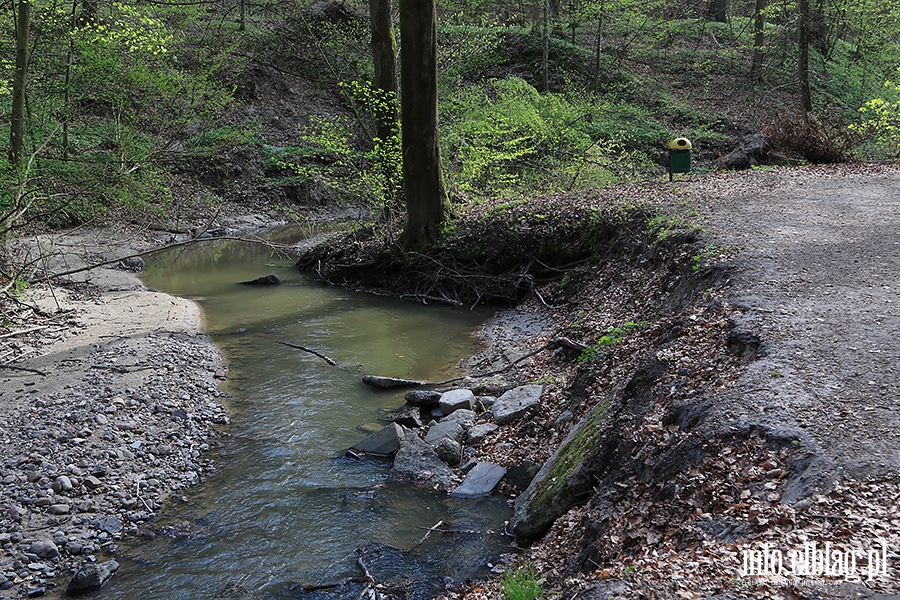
x=285, y=509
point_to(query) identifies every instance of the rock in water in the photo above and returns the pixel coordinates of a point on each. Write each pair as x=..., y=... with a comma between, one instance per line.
x=417, y=462
x=480, y=481
x=264, y=280
x=383, y=442
x=92, y=576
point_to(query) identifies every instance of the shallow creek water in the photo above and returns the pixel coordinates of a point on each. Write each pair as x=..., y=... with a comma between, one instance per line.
x=285, y=509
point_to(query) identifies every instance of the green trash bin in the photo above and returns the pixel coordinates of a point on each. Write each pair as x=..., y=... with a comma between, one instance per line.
x=679, y=156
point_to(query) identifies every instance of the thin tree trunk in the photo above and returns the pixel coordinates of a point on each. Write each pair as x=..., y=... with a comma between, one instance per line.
x=545, y=52
x=598, y=53
x=427, y=205
x=759, y=40
x=386, y=111
x=20, y=78
x=803, y=57
x=384, y=51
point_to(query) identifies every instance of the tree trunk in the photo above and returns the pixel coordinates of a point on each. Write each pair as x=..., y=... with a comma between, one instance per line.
x=385, y=110
x=427, y=205
x=545, y=52
x=717, y=11
x=803, y=57
x=598, y=53
x=384, y=51
x=20, y=77
x=89, y=11
x=759, y=40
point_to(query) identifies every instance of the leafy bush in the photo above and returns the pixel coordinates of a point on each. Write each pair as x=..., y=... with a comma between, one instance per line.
x=368, y=171
x=881, y=119
x=504, y=137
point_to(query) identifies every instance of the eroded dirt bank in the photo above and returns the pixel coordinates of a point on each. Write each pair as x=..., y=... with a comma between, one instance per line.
x=762, y=412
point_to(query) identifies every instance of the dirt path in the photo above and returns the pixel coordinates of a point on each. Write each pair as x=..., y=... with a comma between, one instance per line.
x=818, y=266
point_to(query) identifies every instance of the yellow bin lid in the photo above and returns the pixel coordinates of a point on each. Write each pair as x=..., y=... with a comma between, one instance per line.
x=680, y=144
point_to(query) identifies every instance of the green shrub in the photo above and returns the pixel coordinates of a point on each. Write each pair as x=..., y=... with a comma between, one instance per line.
x=504, y=137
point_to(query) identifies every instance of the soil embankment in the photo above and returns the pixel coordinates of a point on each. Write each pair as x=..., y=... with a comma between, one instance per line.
x=763, y=412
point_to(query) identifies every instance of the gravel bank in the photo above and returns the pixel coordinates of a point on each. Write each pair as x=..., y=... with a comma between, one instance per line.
x=108, y=402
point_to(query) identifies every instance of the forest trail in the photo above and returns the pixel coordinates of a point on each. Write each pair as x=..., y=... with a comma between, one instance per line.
x=818, y=271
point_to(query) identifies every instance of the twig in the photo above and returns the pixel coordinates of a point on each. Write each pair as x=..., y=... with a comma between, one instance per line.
x=431, y=530
x=435, y=528
x=328, y=586
x=23, y=331
x=362, y=565
x=330, y=361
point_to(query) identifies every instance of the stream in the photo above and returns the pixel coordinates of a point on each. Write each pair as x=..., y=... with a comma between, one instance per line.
x=286, y=509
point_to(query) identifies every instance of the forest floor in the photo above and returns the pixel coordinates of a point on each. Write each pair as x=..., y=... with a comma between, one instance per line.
x=798, y=429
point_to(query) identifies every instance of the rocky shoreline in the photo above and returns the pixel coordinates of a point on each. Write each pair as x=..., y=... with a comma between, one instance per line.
x=110, y=419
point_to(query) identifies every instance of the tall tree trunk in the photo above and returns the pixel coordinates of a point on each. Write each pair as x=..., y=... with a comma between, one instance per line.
x=20, y=78
x=427, y=205
x=384, y=52
x=386, y=111
x=598, y=52
x=545, y=52
x=803, y=57
x=717, y=11
x=759, y=40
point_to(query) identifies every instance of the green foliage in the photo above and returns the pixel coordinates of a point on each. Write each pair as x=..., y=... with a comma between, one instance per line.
x=610, y=338
x=504, y=137
x=881, y=119
x=358, y=171
x=522, y=583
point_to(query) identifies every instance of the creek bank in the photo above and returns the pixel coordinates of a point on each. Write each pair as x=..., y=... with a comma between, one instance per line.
x=109, y=404
x=664, y=442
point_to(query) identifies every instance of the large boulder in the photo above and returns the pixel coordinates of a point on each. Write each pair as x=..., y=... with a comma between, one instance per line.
x=567, y=474
x=383, y=442
x=516, y=402
x=92, y=576
x=752, y=150
x=417, y=462
x=480, y=481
